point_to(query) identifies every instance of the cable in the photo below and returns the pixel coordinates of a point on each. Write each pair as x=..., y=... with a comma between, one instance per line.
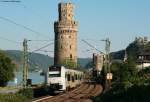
x=15, y=1
x=41, y=40
x=20, y=25
x=46, y=51
x=9, y=40
x=92, y=46
x=42, y=47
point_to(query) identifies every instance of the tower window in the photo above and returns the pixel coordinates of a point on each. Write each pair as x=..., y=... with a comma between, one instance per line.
x=61, y=37
x=61, y=47
x=70, y=46
x=71, y=56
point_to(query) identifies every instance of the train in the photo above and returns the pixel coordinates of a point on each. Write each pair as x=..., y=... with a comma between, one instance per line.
x=60, y=78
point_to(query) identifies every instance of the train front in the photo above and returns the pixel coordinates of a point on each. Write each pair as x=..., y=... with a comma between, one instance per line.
x=56, y=78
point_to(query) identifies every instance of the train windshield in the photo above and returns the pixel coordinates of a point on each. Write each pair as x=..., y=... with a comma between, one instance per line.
x=54, y=74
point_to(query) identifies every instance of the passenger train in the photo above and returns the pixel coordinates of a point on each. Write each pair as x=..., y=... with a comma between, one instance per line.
x=60, y=78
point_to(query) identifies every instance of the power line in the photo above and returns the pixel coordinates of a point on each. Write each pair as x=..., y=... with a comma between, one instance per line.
x=12, y=41
x=14, y=1
x=25, y=27
x=42, y=47
x=41, y=40
x=46, y=51
x=91, y=46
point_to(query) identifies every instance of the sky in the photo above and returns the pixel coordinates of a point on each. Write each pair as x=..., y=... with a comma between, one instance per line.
x=119, y=20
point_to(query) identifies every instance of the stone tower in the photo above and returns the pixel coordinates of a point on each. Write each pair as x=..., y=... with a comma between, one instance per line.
x=98, y=61
x=65, y=35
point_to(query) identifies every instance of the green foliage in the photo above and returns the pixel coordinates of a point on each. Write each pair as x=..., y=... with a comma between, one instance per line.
x=117, y=69
x=132, y=94
x=84, y=61
x=23, y=96
x=133, y=49
x=147, y=46
x=69, y=63
x=129, y=85
x=89, y=65
x=118, y=55
x=12, y=98
x=6, y=69
x=28, y=93
x=123, y=71
x=39, y=61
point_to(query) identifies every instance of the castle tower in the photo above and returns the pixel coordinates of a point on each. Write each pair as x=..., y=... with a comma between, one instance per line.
x=98, y=61
x=65, y=36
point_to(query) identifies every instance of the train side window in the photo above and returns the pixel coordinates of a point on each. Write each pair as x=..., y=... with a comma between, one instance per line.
x=68, y=77
x=80, y=77
x=76, y=77
x=72, y=79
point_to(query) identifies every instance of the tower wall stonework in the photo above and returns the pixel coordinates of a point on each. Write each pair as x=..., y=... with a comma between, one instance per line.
x=65, y=35
x=98, y=61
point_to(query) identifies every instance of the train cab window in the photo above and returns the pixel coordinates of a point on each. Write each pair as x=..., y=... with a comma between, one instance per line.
x=54, y=75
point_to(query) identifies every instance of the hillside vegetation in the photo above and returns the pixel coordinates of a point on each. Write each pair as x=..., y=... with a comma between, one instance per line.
x=133, y=49
x=128, y=84
x=38, y=61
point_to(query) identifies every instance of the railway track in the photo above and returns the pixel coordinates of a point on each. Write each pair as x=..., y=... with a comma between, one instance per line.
x=80, y=94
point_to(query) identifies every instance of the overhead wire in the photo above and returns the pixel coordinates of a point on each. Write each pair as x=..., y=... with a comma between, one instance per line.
x=41, y=40
x=25, y=27
x=12, y=41
x=42, y=47
x=92, y=46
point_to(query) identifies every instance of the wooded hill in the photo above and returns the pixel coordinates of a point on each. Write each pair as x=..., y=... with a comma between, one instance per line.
x=132, y=50
x=38, y=61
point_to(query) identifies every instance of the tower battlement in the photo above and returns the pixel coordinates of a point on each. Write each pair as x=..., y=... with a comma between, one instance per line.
x=66, y=11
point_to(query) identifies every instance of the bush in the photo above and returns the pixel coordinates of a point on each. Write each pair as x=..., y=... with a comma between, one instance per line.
x=28, y=93
x=6, y=69
x=23, y=96
x=12, y=98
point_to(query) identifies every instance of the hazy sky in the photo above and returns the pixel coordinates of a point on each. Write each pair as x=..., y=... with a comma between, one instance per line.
x=120, y=20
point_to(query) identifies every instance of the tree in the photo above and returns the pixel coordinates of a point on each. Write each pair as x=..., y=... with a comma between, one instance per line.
x=89, y=64
x=6, y=69
x=69, y=63
x=116, y=69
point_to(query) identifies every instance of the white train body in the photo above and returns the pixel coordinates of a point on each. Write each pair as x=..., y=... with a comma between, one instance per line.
x=61, y=78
